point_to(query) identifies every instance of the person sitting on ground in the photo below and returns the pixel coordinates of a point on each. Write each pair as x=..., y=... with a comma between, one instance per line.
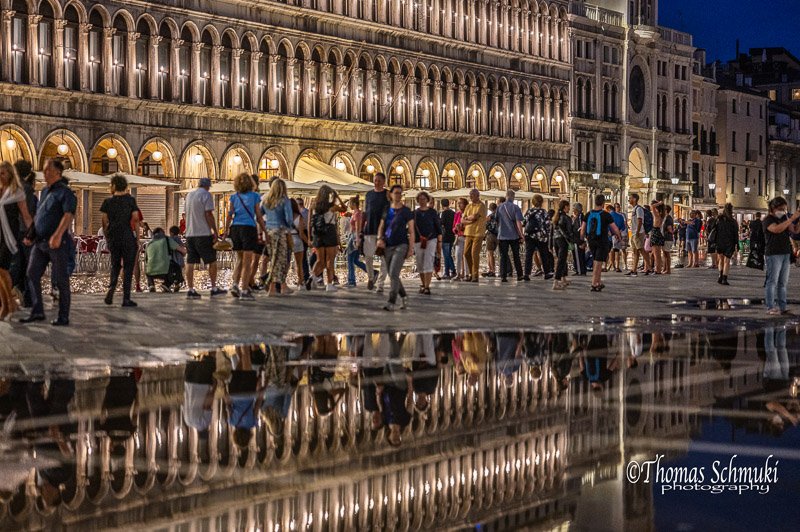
x=160, y=264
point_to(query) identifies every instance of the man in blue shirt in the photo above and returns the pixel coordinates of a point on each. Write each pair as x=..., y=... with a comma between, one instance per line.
x=509, y=235
x=49, y=237
x=617, y=243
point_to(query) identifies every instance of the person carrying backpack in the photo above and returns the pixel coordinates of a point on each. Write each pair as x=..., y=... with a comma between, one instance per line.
x=595, y=230
x=537, y=236
x=638, y=234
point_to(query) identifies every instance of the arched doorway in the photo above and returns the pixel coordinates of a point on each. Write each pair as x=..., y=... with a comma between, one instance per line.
x=235, y=161
x=497, y=177
x=452, y=176
x=425, y=175
x=399, y=173
x=157, y=159
x=272, y=164
x=15, y=144
x=111, y=154
x=476, y=177
x=539, y=180
x=558, y=183
x=519, y=178
x=66, y=147
x=370, y=166
x=638, y=173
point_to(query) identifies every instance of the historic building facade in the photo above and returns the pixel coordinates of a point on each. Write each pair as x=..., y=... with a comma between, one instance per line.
x=632, y=102
x=704, y=132
x=435, y=93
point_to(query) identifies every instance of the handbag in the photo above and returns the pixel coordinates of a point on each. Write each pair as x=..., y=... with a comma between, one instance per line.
x=647, y=246
x=223, y=245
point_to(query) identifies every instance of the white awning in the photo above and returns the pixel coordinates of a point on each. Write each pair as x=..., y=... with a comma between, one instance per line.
x=142, y=181
x=79, y=179
x=312, y=171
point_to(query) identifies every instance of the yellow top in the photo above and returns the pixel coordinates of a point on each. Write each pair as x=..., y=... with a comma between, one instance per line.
x=478, y=227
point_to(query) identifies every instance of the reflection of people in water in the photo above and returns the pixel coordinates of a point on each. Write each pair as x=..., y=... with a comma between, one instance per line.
x=281, y=381
x=509, y=355
x=326, y=390
x=597, y=363
x=424, y=371
x=243, y=396
x=471, y=353
x=198, y=392
x=119, y=410
x=778, y=379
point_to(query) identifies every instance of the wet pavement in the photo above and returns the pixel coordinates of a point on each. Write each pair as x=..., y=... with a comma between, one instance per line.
x=671, y=422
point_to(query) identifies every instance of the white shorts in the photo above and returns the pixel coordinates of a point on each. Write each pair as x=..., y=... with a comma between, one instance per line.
x=425, y=257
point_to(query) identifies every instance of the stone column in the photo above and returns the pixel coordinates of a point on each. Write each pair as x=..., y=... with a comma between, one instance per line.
x=7, y=46
x=495, y=113
x=461, y=112
x=108, y=60
x=472, y=117
x=130, y=63
x=548, y=124
x=307, y=95
x=236, y=93
x=58, y=52
x=216, y=94
x=272, y=86
x=526, y=122
x=289, y=86
x=483, y=114
x=438, y=115
x=339, y=92
x=413, y=108
x=175, y=69
x=384, y=95
x=256, y=89
x=33, y=49
x=425, y=104
x=503, y=30
x=154, y=68
x=352, y=95
x=450, y=105
x=538, y=122
x=195, y=73
x=371, y=96
x=557, y=132
x=83, y=55
x=323, y=88
x=525, y=30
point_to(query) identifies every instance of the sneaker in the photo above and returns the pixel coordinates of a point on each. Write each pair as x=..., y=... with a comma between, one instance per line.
x=109, y=297
x=389, y=307
x=773, y=312
x=192, y=294
x=247, y=295
x=330, y=288
x=235, y=291
x=218, y=292
x=632, y=274
x=403, y=303
x=129, y=303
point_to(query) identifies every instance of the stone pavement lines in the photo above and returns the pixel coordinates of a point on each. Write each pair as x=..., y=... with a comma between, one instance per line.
x=168, y=320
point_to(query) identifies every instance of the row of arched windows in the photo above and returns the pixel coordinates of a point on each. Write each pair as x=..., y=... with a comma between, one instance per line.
x=160, y=60
x=585, y=95
x=680, y=114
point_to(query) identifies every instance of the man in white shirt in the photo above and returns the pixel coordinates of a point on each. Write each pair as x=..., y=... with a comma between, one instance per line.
x=201, y=234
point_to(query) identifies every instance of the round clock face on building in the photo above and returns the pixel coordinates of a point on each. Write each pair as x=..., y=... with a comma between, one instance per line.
x=637, y=89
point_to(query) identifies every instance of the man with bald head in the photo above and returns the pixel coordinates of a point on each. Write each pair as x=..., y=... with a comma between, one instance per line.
x=474, y=222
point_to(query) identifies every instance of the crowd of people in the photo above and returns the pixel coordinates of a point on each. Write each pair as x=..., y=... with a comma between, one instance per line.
x=273, y=233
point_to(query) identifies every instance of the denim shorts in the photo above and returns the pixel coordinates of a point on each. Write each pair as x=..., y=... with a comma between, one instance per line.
x=691, y=245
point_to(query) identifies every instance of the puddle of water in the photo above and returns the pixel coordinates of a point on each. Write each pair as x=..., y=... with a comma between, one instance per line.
x=721, y=303
x=417, y=430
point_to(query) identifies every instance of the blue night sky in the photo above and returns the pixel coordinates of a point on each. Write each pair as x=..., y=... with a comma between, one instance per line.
x=716, y=24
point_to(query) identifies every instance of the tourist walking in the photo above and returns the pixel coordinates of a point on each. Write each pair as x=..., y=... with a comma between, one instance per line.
x=300, y=243
x=352, y=251
x=657, y=239
x=710, y=231
x=19, y=269
x=491, y=241
x=279, y=219
x=461, y=240
x=564, y=237
x=509, y=236
x=537, y=228
x=447, y=218
x=375, y=204
x=397, y=238
x=325, y=234
x=777, y=249
x=595, y=229
x=618, y=243
x=427, y=241
x=120, y=217
x=201, y=234
x=727, y=241
x=579, y=250
x=14, y=215
x=474, y=222
x=638, y=234
x=242, y=225
x=49, y=235
x=668, y=230
x=693, y=226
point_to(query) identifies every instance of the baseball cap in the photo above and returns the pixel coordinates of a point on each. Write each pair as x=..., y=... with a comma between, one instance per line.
x=204, y=182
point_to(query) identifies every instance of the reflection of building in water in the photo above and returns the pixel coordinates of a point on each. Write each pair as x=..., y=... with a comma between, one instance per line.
x=541, y=438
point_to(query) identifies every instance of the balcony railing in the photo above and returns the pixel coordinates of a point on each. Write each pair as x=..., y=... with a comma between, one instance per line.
x=611, y=169
x=682, y=176
x=675, y=36
x=603, y=16
x=681, y=131
x=663, y=174
x=665, y=129
x=586, y=115
x=611, y=119
x=587, y=166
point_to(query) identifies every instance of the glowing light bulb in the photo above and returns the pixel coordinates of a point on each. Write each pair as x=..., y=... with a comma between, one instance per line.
x=11, y=144
x=518, y=175
x=340, y=166
x=274, y=163
x=400, y=169
x=497, y=174
x=426, y=173
x=112, y=153
x=451, y=173
x=63, y=149
x=157, y=155
x=237, y=159
x=370, y=168
x=475, y=174
x=558, y=179
x=197, y=158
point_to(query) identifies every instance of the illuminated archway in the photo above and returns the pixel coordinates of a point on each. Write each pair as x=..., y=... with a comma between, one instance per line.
x=273, y=164
x=111, y=154
x=198, y=161
x=539, y=180
x=452, y=176
x=344, y=162
x=519, y=179
x=65, y=146
x=497, y=178
x=157, y=159
x=475, y=177
x=400, y=172
x=370, y=166
x=235, y=161
x=558, y=183
x=426, y=174
x=15, y=144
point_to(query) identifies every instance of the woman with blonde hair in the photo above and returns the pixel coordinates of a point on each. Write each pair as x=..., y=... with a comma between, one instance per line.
x=12, y=207
x=279, y=219
x=242, y=224
x=325, y=233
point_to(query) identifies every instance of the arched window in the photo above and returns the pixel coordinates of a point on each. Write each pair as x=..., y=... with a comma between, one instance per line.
x=119, y=56
x=45, y=63
x=142, y=68
x=72, y=78
x=205, y=69
x=19, y=42
x=184, y=77
x=225, y=68
x=243, y=83
x=95, y=66
x=164, y=63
